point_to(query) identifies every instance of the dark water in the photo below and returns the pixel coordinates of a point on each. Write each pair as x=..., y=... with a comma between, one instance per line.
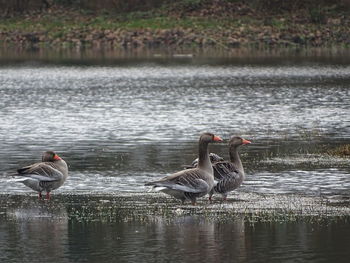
x=121, y=124
x=185, y=240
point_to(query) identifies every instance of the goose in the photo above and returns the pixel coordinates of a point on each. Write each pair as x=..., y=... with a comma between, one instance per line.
x=192, y=183
x=213, y=159
x=47, y=175
x=228, y=175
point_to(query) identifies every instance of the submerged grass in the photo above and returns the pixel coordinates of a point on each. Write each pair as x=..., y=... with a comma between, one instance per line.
x=251, y=208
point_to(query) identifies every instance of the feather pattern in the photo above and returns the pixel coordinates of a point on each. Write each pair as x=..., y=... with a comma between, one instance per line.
x=228, y=177
x=191, y=183
x=228, y=174
x=187, y=181
x=44, y=171
x=45, y=176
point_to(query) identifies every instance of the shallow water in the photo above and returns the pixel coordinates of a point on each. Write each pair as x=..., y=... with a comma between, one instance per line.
x=119, y=125
x=89, y=228
x=185, y=240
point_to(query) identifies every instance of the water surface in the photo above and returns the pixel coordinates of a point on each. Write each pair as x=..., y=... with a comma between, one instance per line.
x=119, y=125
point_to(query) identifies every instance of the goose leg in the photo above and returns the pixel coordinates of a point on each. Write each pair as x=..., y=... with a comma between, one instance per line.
x=48, y=197
x=210, y=195
x=40, y=196
x=193, y=201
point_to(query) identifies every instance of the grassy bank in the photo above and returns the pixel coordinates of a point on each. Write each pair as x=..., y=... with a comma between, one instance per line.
x=224, y=24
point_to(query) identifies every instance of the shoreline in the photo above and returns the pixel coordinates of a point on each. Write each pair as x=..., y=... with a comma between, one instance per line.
x=207, y=56
x=212, y=24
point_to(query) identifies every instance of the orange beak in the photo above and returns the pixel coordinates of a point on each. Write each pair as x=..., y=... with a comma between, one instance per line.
x=246, y=141
x=56, y=157
x=217, y=139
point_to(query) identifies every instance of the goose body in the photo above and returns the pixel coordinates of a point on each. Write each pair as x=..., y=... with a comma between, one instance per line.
x=213, y=159
x=46, y=176
x=192, y=183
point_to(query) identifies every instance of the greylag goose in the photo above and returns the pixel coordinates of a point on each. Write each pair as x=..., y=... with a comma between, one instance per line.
x=191, y=183
x=47, y=175
x=213, y=159
x=228, y=175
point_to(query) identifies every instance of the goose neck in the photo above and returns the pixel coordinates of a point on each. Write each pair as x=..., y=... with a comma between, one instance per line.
x=203, y=156
x=235, y=159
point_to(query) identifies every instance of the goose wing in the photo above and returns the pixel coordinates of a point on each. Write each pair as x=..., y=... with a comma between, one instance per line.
x=225, y=170
x=213, y=158
x=227, y=176
x=190, y=180
x=45, y=171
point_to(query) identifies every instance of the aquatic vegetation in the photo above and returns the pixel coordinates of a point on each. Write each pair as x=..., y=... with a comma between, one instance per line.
x=342, y=151
x=252, y=208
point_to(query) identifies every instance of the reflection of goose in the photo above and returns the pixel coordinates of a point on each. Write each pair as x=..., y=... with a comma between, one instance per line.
x=47, y=175
x=198, y=239
x=191, y=183
x=38, y=230
x=229, y=175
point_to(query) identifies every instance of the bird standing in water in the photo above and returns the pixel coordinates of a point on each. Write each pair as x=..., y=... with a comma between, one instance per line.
x=228, y=175
x=46, y=176
x=192, y=183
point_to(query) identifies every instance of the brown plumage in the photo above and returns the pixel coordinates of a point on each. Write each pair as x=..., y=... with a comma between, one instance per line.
x=191, y=183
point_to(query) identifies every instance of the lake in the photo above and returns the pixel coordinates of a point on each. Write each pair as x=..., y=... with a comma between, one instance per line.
x=125, y=121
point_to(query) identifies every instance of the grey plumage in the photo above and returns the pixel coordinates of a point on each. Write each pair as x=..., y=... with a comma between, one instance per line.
x=228, y=174
x=213, y=159
x=191, y=183
x=46, y=176
x=228, y=178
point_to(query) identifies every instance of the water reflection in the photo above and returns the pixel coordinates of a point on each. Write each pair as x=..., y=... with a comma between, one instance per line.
x=184, y=239
x=121, y=124
x=33, y=232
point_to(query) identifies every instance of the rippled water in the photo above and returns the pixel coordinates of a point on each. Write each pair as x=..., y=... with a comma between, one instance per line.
x=184, y=240
x=120, y=125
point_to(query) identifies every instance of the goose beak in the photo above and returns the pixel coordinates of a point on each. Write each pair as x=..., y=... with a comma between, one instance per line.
x=246, y=141
x=56, y=157
x=217, y=139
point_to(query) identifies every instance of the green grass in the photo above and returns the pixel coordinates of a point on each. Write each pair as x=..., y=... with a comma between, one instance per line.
x=157, y=23
x=67, y=25
x=61, y=24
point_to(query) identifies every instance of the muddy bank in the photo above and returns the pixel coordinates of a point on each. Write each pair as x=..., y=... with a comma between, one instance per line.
x=141, y=206
x=222, y=24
